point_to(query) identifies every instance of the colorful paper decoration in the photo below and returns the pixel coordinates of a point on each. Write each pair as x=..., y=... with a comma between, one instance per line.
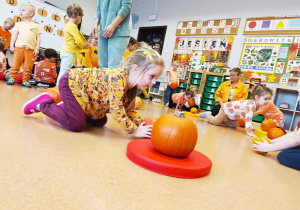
x=205, y=52
x=177, y=40
x=255, y=74
x=263, y=77
x=248, y=73
x=230, y=40
x=203, y=59
x=294, y=47
x=219, y=64
x=228, y=47
x=271, y=78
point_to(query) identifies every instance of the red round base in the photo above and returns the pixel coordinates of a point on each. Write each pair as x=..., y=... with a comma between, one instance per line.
x=142, y=153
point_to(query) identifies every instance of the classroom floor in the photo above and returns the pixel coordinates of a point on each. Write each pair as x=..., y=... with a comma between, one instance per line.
x=43, y=166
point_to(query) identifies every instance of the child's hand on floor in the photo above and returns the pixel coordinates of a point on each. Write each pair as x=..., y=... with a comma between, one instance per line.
x=143, y=131
x=262, y=147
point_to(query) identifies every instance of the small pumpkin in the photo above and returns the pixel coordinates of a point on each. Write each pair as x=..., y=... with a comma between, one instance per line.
x=54, y=94
x=48, y=29
x=149, y=120
x=18, y=18
x=174, y=85
x=266, y=125
x=259, y=139
x=138, y=103
x=274, y=133
x=241, y=122
x=56, y=17
x=191, y=103
x=12, y=2
x=194, y=110
x=174, y=135
x=60, y=32
x=42, y=12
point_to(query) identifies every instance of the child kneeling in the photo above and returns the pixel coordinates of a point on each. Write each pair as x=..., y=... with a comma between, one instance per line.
x=179, y=99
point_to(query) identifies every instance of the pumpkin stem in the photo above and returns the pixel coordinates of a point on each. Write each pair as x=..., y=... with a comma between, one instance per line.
x=179, y=114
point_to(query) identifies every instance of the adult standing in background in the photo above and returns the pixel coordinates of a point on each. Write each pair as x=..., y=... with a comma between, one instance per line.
x=157, y=48
x=114, y=17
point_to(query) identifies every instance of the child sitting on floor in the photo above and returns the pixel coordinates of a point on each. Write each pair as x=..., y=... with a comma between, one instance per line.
x=243, y=109
x=179, y=99
x=196, y=98
x=2, y=59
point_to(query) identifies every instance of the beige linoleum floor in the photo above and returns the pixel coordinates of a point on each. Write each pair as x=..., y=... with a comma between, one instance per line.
x=43, y=166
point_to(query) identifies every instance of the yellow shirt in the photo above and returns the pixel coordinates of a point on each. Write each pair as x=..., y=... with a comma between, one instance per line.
x=78, y=59
x=73, y=39
x=240, y=92
x=91, y=58
x=100, y=91
x=127, y=53
x=27, y=36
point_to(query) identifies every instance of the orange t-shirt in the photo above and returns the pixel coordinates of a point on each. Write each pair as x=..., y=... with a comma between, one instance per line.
x=2, y=62
x=178, y=97
x=46, y=71
x=173, y=76
x=5, y=35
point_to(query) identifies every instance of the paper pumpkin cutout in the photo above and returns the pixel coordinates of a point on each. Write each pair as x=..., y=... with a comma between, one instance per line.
x=42, y=12
x=12, y=2
x=48, y=29
x=56, y=17
x=18, y=18
x=60, y=32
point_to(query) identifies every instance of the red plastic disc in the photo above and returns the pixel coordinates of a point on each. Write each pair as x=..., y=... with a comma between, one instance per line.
x=142, y=153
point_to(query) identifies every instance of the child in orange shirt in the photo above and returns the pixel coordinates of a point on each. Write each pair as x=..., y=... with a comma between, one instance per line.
x=4, y=31
x=180, y=99
x=173, y=76
x=25, y=44
x=2, y=59
x=46, y=69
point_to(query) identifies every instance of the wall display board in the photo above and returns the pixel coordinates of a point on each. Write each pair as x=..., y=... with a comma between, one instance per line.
x=272, y=25
x=208, y=27
x=267, y=57
x=195, y=51
x=50, y=19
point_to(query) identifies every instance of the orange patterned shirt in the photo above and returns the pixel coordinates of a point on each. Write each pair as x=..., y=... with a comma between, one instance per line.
x=46, y=71
x=2, y=62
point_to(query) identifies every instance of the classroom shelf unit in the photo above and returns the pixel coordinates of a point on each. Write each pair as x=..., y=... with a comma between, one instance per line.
x=292, y=113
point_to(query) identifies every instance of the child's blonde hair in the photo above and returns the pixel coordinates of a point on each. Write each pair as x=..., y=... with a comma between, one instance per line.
x=2, y=44
x=175, y=62
x=74, y=10
x=193, y=87
x=10, y=21
x=260, y=90
x=30, y=7
x=145, y=58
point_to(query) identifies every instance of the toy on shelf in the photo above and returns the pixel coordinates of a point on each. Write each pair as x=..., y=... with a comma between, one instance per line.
x=284, y=105
x=292, y=77
x=252, y=84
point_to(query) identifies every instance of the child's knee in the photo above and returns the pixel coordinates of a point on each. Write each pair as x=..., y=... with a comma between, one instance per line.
x=76, y=127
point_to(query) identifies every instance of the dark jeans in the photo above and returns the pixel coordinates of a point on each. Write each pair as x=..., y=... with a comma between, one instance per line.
x=215, y=110
x=168, y=94
x=290, y=158
x=71, y=115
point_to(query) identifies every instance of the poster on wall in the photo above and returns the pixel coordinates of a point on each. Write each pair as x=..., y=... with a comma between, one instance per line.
x=200, y=43
x=282, y=59
x=261, y=58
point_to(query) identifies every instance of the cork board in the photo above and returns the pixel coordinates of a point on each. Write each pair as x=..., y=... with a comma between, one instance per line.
x=208, y=27
x=272, y=25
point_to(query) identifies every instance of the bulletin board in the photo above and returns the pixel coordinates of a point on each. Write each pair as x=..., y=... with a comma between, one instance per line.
x=268, y=58
x=50, y=19
x=272, y=25
x=208, y=27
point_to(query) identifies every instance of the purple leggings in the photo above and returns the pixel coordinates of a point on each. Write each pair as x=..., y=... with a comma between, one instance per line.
x=71, y=115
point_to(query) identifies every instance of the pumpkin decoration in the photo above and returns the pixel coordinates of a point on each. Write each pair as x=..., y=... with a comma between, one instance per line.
x=174, y=135
x=266, y=125
x=241, y=122
x=56, y=17
x=138, y=103
x=259, y=139
x=54, y=94
x=174, y=85
x=274, y=133
x=66, y=20
x=42, y=12
x=149, y=120
x=48, y=28
x=194, y=110
x=18, y=18
x=191, y=103
x=12, y=2
x=60, y=32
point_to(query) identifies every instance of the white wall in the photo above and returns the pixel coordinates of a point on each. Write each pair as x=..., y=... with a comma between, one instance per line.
x=169, y=12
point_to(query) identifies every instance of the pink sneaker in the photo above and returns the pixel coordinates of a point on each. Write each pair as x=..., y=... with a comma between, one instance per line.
x=33, y=106
x=61, y=104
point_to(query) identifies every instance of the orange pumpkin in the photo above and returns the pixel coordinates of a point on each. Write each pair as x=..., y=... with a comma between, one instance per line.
x=274, y=133
x=56, y=17
x=191, y=103
x=42, y=12
x=60, y=32
x=18, y=18
x=194, y=110
x=175, y=136
x=54, y=94
x=138, y=103
x=266, y=125
x=174, y=85
x=149, y=120
x=241, y=122
x=258, y=139
x=12, y=2
x=48, y=29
